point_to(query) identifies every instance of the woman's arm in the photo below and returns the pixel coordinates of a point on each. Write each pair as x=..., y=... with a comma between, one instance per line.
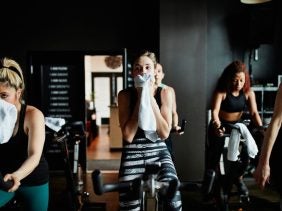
x=128, y=122
x=252, y=104
x=215, y=108
x=175, y=119
x=216, y=104
x=34, y=127
x=163, y=115
x=262, y=172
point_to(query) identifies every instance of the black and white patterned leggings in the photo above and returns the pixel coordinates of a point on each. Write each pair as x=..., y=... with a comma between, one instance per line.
x=134, y=157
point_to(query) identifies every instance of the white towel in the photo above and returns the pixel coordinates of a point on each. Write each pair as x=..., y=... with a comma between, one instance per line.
x=146, y=118
x=233, y=146
x=8, y=118
x=54, y=123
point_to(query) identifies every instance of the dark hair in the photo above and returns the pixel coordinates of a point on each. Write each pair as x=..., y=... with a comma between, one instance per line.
x=225, y=80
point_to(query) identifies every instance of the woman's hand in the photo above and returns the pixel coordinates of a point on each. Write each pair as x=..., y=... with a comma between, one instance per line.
x=261, y=175
x=216, y=124
x=16, y=182
x=218, y=129
x=178, y=130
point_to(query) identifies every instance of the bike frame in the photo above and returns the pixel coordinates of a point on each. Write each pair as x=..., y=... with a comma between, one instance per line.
x=149, y=188
x=73, y=172
x=225, y=179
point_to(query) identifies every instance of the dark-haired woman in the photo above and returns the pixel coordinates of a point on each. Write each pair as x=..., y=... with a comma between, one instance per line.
x=232, y=96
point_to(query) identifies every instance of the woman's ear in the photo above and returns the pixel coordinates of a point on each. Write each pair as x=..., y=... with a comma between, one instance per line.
x=19, y=93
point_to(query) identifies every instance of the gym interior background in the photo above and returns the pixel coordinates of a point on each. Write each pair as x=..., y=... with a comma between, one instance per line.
x=193, y=39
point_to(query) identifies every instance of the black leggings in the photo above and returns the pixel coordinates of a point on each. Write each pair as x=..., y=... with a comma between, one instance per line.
x=214, y=148
x=133, y=160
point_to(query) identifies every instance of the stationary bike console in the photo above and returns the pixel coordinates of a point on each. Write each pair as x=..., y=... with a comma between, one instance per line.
x=5, y=185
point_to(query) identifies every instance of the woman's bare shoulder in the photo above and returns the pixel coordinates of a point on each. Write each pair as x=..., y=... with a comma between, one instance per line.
x=33, y=112
x=250, y=93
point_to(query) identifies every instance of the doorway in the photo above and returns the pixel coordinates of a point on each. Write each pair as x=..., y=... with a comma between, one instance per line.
x=104, y=78
x=66, y=83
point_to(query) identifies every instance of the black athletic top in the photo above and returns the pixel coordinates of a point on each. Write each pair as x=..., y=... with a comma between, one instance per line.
x=158, y=96
x=233, y=103
x=14, y=153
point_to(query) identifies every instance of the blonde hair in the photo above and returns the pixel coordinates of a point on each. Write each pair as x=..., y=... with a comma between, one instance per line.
x=148, y=54
x=11, y=74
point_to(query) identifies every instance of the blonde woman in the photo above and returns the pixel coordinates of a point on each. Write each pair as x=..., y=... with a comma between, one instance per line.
x=159, y=76
x=21, y=158
x=139, y=146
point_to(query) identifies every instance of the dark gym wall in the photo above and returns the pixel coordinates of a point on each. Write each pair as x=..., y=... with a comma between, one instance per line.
x=73, y=26
x=197, y=40
x=183, y=49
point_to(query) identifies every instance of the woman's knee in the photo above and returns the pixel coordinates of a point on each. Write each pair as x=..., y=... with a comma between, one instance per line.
x=174, y=203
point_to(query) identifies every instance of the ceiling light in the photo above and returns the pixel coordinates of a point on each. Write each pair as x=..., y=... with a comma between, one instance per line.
x=254, y=1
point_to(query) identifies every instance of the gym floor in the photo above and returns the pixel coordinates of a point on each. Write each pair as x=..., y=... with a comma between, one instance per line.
x=266, y=200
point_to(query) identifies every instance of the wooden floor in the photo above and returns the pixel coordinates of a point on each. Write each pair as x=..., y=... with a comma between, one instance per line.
x=99, y=147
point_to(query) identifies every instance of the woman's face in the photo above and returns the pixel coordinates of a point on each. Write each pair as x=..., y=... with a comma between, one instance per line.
x=144, y=65
x=238, y=81
x=159, y=74
x=9, y=94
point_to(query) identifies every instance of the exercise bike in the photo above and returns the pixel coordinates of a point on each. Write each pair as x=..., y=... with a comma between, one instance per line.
x=152, y=193
x=149, y=189
x=71, y=134
x=226, y=174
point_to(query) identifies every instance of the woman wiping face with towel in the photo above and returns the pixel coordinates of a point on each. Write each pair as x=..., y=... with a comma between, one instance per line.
x=21, y=158
x=145, y=116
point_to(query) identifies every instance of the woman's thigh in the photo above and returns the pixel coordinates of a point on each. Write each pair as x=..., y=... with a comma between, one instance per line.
x=36, y=198
x=5, y=197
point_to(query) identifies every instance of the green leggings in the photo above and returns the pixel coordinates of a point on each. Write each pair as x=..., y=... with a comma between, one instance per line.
x=34, y=198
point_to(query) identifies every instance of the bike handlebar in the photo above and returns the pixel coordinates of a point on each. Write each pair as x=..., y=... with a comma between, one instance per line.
x=101, y=188
x=73, y=131
x=229, y=125
x=138, y=184
x=167, y=188
x=5, y=185
x=234, y=126
x=183, y=124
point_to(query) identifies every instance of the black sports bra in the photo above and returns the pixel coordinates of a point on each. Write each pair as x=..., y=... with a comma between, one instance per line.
x=233, y=103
